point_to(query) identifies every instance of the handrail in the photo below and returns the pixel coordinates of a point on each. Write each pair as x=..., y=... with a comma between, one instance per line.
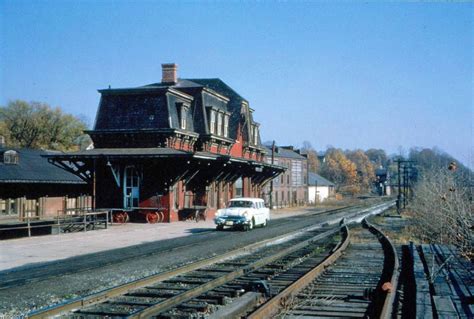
x=55, y=220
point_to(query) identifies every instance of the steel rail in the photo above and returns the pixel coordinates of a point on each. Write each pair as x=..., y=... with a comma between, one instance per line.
x=391, y=272
x=122, y=289
x=174, y=301
x=271, y=307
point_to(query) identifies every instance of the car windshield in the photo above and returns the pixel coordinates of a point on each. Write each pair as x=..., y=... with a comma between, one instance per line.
x=240, y=203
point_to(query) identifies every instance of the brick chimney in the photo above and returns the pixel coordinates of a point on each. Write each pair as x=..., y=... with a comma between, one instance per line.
x=170, y=73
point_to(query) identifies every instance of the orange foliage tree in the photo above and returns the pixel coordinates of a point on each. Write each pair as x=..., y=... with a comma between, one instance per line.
x=365, y=169
x=341, y=170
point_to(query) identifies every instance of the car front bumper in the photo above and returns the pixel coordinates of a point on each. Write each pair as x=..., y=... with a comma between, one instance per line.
x=231, y=221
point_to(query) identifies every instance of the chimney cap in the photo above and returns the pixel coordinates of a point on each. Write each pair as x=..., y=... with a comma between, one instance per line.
x=169, y=65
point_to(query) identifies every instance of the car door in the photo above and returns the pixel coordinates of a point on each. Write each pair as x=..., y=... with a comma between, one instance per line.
x=259, y=217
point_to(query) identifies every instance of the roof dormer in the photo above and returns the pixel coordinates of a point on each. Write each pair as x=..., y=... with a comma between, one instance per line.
x=11, y=157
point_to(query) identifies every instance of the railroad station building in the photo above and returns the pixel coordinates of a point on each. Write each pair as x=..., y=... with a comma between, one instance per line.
x=31, y=187
x=290, y=188
x=166, y=148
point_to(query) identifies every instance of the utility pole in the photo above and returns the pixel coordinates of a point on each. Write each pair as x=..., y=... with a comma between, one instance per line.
x=399, y=196
x=405, y=188
x=271, y=182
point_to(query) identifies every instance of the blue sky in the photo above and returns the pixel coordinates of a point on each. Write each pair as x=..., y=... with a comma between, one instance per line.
x=350, y=75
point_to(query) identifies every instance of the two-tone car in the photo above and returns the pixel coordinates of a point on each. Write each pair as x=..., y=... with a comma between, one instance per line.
x=245, y=213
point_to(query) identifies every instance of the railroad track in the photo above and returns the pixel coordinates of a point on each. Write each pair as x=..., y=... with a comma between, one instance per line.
x=239, y=278
x=75, y=265
x=356, y=281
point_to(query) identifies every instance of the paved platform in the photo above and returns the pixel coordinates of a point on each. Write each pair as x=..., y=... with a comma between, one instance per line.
x=22, y=251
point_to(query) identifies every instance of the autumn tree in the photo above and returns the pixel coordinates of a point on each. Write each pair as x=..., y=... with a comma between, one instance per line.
x=313, y=161
x=37, y=125
x=365, y=169
x=342, y=171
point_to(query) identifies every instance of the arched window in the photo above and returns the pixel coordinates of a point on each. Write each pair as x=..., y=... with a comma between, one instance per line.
x=11, y=157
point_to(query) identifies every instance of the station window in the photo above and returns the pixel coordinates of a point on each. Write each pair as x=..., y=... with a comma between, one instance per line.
x=219, y=124
x=184, y=115
x=255, y=135
x=8, y=207
x=238, y=187
x=226, y=125
x=212, y=125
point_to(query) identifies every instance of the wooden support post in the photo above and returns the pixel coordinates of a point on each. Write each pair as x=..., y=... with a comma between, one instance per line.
x=29, y=225
x=94, y=186
x=59, y=224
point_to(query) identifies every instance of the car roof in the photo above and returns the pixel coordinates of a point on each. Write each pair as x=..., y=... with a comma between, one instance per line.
x=254, y=199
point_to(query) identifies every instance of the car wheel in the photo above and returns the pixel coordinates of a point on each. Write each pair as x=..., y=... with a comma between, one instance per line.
x=252, y=224
x=219, y=227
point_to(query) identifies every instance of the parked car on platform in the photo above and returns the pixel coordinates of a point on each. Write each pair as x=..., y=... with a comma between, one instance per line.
x=245, y=213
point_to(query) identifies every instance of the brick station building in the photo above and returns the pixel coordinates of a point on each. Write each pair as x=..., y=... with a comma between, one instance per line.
x=163, y=149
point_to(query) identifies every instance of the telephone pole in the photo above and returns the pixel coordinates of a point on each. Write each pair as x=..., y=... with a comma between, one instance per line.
x=271, y=182
x=399, y=196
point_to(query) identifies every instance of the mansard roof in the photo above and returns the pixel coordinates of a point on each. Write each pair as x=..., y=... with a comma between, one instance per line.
x=151, y=107
x=219, y=86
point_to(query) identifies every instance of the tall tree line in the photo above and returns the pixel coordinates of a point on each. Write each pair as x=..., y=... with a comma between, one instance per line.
x=354, y=171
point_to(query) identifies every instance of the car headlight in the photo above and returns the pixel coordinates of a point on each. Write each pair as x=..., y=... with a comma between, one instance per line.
x=246, y=215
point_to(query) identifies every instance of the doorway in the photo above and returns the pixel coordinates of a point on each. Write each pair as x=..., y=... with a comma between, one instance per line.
x=131, y=187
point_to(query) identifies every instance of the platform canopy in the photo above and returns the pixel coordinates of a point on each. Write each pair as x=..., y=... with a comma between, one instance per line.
x=173, y=164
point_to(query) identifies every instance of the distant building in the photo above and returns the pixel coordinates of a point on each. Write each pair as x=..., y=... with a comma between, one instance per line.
x=321, y=157
x=382, y=181
x=291, y=187
x=319, y=188
x=30, y=186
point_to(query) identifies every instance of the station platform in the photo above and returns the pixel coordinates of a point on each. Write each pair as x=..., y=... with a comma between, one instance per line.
x=24, y=251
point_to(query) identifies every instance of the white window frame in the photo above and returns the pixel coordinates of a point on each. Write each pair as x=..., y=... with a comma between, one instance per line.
x=212, y=125
x=184, y=115
x=226, y=125
x=255, y=135
x=219, y=123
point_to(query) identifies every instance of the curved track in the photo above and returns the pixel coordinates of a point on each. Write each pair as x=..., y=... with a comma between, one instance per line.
x=354, y=282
